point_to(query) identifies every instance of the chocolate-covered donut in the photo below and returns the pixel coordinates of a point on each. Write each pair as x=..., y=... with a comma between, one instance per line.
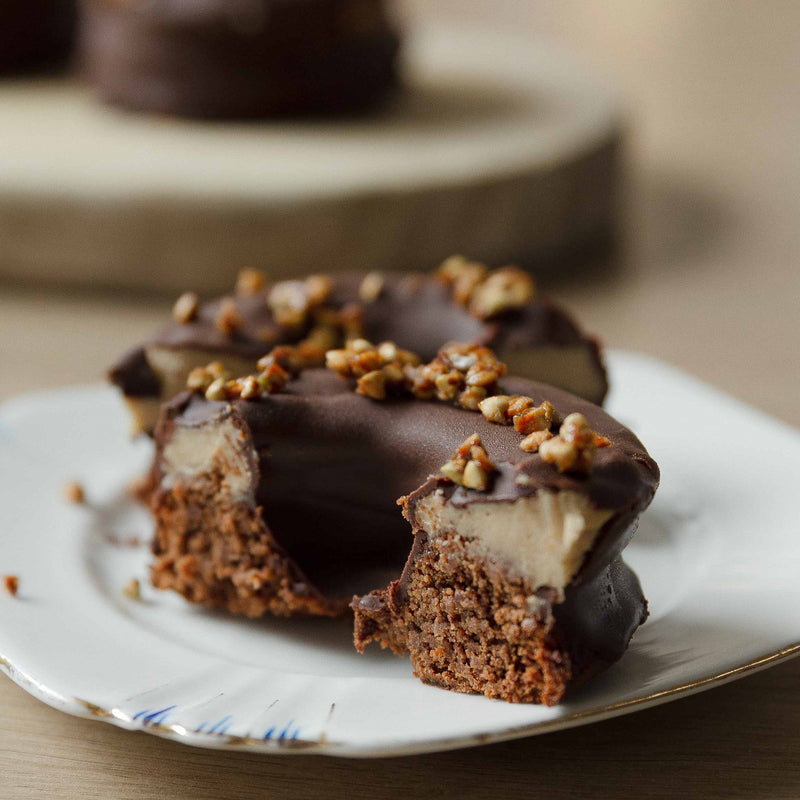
x=240, y=58
x=536, y=338
x=286, y=504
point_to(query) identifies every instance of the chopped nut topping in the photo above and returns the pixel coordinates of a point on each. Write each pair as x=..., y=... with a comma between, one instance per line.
x=11, y=584
x=185, y=308
x=495, y=409
x=471, y=398
x=292, y=302
x=460, y=373
x=250, y=282
x=373, y=385
x=274, y=371
x=486, y=293
x=537, y=418
x=200, y=378
x=520, y=411
x=505, y=289
x=132, y=589
x=216, y=391
x=533, y=441
x=371, y=287
x=73, y=493
x=575, y=447
x=318, y=289
x=380, y=371
x=228, y=319
x=470, y=465
x=462, y=276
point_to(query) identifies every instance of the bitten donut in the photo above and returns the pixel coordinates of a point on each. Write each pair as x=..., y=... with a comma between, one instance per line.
x=276, y=493
x=462, y=301
x=240, y=58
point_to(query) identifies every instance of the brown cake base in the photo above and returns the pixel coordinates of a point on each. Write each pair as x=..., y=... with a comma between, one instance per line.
x=220, y=554
x=471, y=627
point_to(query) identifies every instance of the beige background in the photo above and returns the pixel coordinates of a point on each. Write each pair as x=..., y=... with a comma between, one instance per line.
x=708, y=280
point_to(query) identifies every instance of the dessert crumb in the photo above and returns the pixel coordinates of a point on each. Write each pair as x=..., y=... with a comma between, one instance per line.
x=73, y=493
x=11, y=584
x=132, y=589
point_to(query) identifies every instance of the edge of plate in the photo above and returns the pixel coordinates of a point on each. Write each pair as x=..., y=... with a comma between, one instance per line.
x=86, y=709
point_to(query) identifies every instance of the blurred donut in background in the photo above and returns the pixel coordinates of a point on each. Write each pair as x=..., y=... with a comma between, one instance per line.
x=35, y=34
x=240, y=58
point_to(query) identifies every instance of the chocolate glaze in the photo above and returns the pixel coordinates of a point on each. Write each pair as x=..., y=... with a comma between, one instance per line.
x=416, y=311
x=134, y=375
x=333, y=463
x=35, y=33
x=240, y=58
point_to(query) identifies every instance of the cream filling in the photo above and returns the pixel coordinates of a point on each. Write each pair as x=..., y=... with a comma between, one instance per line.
x=194, y=451
x=572, y=368
x=542, y=538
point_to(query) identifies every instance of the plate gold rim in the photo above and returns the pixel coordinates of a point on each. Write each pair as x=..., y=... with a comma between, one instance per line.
x=86, y=709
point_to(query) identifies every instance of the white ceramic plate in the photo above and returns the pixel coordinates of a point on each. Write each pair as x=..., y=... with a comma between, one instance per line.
x=718, y=554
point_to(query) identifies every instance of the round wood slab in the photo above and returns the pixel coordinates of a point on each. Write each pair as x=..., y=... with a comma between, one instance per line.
x=500, y=147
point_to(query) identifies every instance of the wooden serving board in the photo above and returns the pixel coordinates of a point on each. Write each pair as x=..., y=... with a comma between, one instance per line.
x=500, y=147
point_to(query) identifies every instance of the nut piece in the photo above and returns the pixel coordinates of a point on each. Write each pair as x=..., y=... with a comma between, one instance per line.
x=470, y=465
x=200, y=378
x=288, y=303
x=373, y=385
x=462, y=276
x=228, y=319
x=11, y=584
x=475, y=477
x=73, y=492
x=186, y=307
x=371, y=287
x=505, y=289
x=132, y=589
x=292, y=302
x=495, y=408
x=575, y=447
x=216, y=391
x=486, y=293
x=537, y=418
x=533, y=441
x=250, y=282
x=318, y=289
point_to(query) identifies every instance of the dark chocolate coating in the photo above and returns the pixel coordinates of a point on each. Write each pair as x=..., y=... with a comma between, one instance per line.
x=415, y=311
x=35, y=33
x=598, y=617
x=240, y=58
x=332, y=465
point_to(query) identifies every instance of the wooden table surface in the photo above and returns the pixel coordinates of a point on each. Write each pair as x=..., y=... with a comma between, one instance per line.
x=709, y=280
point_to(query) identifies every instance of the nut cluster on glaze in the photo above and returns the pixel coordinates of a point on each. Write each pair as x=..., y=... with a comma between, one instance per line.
x=470, y=466
x=575, y=447
x=379, y=370
x=486, y=293
x=293, y=302
x=275, y=370
x=461, y=374
x=532, y=421
x=467, y=376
